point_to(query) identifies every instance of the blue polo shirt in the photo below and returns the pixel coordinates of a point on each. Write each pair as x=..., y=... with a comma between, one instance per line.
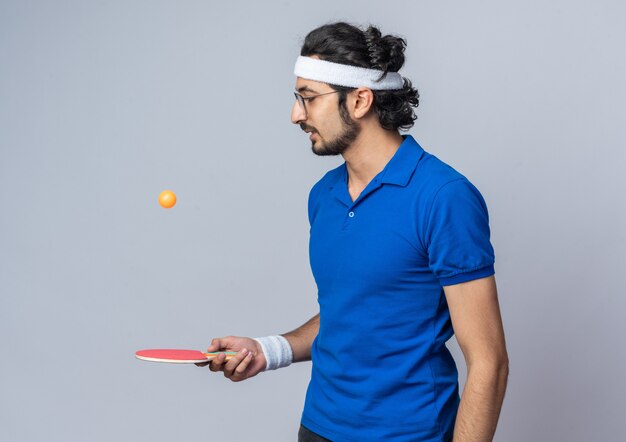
x=381, y=370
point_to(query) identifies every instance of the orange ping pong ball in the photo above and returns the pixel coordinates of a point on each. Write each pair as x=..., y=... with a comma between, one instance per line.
x=167, y=199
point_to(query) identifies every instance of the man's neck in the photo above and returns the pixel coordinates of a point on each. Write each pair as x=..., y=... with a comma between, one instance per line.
x=369, y=154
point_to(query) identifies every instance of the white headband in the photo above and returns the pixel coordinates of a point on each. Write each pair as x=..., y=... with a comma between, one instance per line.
x=346, y=75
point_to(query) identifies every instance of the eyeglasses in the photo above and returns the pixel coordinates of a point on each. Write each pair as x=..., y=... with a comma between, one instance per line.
x=301, y=100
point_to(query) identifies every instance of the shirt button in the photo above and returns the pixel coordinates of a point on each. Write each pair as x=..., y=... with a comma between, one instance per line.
x=351, y=214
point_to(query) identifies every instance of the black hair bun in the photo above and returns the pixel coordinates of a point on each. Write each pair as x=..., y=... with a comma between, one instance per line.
x=386, y=53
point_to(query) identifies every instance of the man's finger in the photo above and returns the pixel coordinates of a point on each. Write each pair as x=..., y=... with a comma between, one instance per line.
x=231, y=365
x=243, y=366
x=216, y=364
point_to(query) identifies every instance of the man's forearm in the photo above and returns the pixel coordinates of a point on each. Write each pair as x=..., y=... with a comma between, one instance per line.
x=302, y=338
x=481, y=403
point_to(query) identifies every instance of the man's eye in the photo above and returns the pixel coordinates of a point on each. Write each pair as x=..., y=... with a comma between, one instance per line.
x=309, y=99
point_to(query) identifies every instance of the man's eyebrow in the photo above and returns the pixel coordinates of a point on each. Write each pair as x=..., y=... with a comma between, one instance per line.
x=306, y=89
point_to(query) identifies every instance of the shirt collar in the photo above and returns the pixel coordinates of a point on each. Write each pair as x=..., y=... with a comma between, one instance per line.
x=398, y=170
x=402, y=165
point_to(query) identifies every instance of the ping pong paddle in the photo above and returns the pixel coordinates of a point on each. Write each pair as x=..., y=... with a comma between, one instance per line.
x=179, y=356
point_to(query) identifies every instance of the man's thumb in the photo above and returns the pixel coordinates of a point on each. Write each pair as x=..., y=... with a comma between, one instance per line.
x=216, y=344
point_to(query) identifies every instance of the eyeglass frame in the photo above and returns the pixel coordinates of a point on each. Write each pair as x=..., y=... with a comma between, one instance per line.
x=302, y=99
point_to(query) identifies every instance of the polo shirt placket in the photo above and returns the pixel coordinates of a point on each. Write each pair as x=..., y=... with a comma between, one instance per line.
x=341, y=193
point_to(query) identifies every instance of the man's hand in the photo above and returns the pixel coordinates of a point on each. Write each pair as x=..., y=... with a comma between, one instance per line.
x=248, y=362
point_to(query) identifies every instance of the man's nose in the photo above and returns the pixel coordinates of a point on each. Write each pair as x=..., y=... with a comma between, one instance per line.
x=297, y=114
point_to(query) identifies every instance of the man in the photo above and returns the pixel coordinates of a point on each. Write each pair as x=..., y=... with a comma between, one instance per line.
x=400, y=251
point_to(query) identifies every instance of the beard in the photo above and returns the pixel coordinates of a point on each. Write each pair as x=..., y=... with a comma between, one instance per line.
x=350, y=130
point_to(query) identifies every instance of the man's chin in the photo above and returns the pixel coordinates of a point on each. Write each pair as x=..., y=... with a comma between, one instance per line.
x=318, y=149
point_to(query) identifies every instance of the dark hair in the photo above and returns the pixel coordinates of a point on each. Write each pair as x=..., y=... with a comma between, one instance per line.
x=347, y=44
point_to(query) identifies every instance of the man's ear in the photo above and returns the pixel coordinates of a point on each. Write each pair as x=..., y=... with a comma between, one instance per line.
x=364, y=100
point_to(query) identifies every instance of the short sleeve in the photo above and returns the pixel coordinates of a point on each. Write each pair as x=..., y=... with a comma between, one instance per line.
x=310, y=207
x=457, y=234
x=313, y=202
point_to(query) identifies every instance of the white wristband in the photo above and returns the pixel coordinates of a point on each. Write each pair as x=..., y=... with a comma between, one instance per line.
x=277, y=351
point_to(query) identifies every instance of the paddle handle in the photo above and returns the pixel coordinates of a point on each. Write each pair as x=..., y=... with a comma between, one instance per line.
x=213, y=354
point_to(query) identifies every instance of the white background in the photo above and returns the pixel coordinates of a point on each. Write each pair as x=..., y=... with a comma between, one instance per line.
x=105, y=104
